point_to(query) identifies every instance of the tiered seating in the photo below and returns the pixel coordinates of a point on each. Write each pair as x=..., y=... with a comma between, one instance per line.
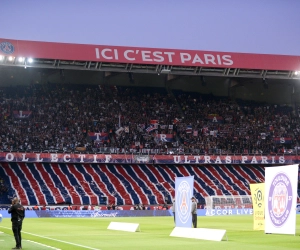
x=123, y=184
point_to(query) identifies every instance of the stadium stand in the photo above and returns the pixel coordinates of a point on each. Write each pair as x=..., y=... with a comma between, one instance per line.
x=62, y=118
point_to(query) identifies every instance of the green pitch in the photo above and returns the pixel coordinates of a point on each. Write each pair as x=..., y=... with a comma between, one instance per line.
x=92, y=233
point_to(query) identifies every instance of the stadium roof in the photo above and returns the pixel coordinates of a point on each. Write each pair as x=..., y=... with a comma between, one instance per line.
x=20, y=53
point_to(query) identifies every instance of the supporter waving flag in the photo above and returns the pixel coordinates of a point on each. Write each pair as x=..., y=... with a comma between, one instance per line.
x=21, y=114
x=189, y=129
x=154, y=122
x=150, y=128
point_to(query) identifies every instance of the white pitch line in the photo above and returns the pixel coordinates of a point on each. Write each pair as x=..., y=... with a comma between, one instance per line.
x=43, y=245
x=62, y=241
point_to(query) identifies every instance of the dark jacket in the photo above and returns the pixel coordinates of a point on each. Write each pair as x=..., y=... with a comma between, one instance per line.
x=17, y=212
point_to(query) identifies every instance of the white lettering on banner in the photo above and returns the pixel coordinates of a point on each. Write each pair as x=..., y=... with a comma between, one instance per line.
x=116, y=54
x=146, y=56
x=95, y=158
x=103, y=54
x=186, y=159
x=107, y=158
x=54, y=158
x=163, y=56
x=38, y=158
x=65, y=158
x=9, y=157
x=281, y=159
x=97, y=53
x=163, y=137
x=254, y=160
x=244, y=158
x=81, y=158
x=170, y=54
x=264, y=159
x=197, y=59
x=228, y=159
x=98, y=138
x=176, y=158
x=126, y=52
x=207, y=159
x=209, y=59
x=273, y=159
x=24, y=157
x=185, y=57
x=157, y=56
x=227, y=59
x=197, y=157
x=218, y=212
x=218, y=160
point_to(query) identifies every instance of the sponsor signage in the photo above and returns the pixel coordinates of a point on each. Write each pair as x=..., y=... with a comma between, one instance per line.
x=258, y=200
x=138, y=55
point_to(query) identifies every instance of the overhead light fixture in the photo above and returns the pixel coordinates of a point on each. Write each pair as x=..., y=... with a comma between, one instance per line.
x=10, y=58
x=21, y=59
x=30, y=60
x=1, y=57
x=297, y=73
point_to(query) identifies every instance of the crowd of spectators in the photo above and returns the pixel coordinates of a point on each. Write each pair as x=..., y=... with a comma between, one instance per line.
x=58, y=117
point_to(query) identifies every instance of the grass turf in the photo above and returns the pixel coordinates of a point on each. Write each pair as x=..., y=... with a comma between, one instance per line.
x=92, y=233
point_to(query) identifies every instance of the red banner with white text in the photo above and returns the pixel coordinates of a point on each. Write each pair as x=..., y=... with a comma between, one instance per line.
x=137, y=55
x=153, y=159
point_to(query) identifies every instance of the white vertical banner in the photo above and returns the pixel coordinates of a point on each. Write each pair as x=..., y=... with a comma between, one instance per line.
x=184, y=187
x=281, y=199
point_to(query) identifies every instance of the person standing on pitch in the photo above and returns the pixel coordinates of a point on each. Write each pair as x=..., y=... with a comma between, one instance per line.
x=194, y=212
x=17, y=212
x=173, y=210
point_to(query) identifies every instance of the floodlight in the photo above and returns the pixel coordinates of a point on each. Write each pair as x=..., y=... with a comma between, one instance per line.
x=30, y=60
x=21, y=59
x=10, y=58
